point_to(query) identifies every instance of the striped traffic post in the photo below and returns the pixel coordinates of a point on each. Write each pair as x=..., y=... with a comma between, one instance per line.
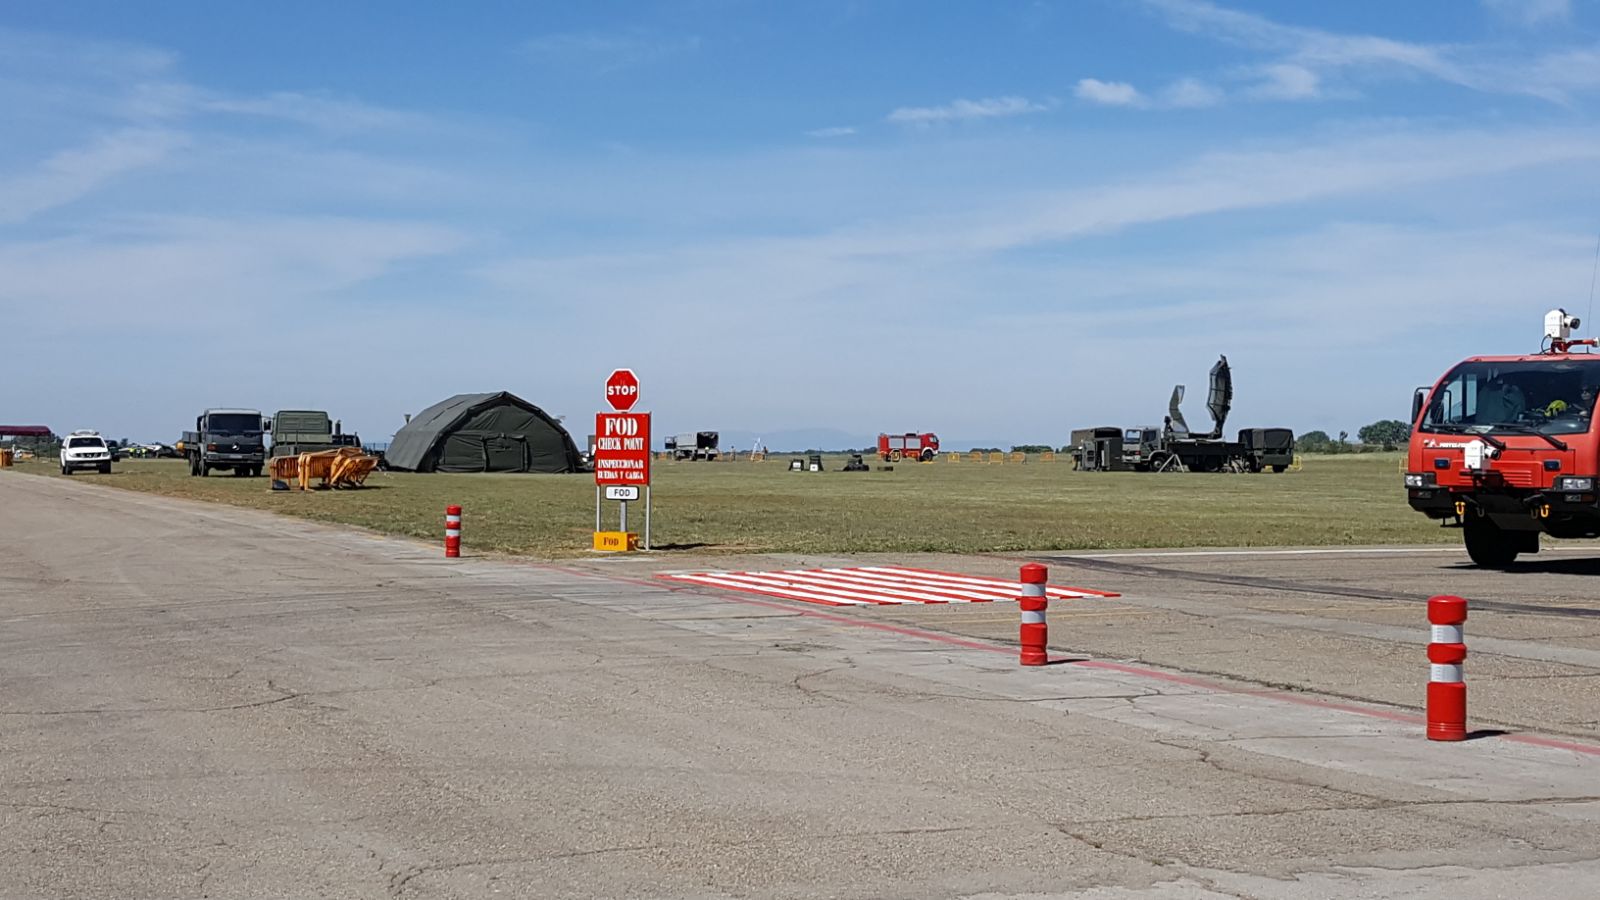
x=1035, y=634
x=452, y=531
x=1447, y=650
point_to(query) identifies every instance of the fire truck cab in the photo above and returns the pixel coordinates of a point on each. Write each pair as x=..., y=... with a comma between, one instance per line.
x=1505, y=448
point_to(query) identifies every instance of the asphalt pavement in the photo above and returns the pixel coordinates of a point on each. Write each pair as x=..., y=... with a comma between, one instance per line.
x=202, y=701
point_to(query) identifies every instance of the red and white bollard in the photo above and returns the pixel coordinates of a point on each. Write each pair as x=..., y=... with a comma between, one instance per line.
x=1447, y=650
x=452, y=531
x=1035, y=634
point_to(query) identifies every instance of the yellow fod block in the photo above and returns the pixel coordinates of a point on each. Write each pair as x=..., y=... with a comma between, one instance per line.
x=616, y=541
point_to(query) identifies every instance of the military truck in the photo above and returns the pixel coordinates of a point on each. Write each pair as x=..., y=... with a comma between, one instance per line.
x=694, y=445
x=227, y=440
x=1174, y=448
x=297, y=431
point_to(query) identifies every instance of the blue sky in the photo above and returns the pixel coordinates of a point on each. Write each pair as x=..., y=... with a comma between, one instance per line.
x=998, y=221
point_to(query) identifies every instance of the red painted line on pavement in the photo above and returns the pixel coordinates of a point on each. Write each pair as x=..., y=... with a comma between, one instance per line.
x=1551, y=743
x=1139, y=671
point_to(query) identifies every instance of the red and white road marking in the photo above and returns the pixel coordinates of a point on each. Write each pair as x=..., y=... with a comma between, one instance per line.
x=874, y=586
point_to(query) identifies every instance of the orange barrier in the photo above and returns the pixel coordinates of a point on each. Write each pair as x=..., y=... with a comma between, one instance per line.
x=342, y=468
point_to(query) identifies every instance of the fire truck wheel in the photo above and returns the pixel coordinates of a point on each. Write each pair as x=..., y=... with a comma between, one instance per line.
x=927, y=455
x=1489, y=546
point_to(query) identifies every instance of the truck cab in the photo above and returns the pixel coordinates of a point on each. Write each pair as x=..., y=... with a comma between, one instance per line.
x=1140, y=446
x=227, y=440
x=1504, y=447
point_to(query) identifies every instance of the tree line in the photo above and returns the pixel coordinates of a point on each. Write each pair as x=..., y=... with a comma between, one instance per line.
x=1384, y=434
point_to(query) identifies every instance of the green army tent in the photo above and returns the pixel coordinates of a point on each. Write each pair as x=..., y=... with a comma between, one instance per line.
x=498, y=432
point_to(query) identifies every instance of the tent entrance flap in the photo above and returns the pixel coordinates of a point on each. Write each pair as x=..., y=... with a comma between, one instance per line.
x=506, y=453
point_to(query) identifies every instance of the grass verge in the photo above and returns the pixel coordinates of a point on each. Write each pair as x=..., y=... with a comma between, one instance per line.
x=935, y=507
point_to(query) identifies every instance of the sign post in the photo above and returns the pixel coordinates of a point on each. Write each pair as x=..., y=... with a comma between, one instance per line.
x=621, y=461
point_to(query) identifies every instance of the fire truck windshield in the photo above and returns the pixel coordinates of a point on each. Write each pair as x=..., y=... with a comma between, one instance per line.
x=1546, y=396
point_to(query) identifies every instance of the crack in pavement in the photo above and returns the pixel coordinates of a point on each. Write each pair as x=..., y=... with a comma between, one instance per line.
x=399, y=881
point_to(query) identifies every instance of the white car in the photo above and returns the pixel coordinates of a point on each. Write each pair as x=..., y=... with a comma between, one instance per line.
x=85, y=450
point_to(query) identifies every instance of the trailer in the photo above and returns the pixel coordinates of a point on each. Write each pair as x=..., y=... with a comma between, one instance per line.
x=1098, y=449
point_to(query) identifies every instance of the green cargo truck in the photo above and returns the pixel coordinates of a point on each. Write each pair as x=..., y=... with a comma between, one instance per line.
x=297, y=431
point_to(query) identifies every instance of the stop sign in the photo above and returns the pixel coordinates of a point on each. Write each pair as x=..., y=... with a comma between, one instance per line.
x=622, y=390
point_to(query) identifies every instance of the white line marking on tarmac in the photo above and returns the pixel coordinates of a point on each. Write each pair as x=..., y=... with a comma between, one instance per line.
x=873, y=585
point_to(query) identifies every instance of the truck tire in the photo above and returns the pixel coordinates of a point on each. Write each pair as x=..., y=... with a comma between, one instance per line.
x=1279, y=470
x=927, y=455
x=205, y=469
x=66, y=470
x=1488, y=544
x=105, y=468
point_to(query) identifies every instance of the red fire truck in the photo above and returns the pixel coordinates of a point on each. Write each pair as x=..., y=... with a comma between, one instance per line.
x=895, y=447
x=1504, y=447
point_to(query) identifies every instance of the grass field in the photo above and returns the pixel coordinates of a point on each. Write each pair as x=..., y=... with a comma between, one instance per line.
x=935, y=507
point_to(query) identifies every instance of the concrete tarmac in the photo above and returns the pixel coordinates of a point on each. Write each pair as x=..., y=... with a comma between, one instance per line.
x=202, y=701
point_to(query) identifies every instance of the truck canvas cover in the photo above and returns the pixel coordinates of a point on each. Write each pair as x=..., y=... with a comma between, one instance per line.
x=302, y=426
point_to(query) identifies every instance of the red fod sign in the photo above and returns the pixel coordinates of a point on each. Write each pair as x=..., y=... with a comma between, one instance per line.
x=621, y=448
x=622, y=390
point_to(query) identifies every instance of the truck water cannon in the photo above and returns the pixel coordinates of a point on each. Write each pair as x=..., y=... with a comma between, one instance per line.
x=1558, y=327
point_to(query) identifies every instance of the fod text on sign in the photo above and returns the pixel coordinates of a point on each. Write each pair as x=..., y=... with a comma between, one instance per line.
x=622, y=448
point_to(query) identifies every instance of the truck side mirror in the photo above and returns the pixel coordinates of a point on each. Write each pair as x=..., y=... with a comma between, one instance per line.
x=266, y=424
x=1418, y=397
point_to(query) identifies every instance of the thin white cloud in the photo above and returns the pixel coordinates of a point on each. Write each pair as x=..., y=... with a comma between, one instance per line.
x=1108, y=93
x=1191, y=93
x=1308, y=46
x=960, y=110
x=71, y=174
x=80, y=58
x=222, y=267
x=1284, y=81
x=603, y=53
x=1529, y=13
x=316, y=110
x=835, y=132
x=1327, y=54
x=1185, y=93
x=1211, y=185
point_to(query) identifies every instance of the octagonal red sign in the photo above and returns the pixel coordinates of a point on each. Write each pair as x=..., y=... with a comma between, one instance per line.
x=622, y=390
